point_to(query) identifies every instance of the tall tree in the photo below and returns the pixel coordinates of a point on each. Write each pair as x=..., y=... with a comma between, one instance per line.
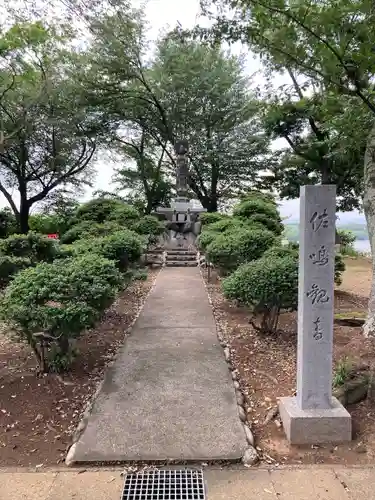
x=207, y=100
x=144, y=174
x=48, y=139
x=330, y=43
x=325, y=143
x=188, y=90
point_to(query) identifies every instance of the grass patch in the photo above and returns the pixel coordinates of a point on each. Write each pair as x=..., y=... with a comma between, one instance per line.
x=342, y=372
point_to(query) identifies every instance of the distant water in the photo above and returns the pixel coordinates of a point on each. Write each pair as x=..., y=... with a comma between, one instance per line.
x=362, y=246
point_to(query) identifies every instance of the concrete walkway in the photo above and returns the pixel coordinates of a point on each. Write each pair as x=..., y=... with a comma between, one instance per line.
x=169, y=394
x=315, y=483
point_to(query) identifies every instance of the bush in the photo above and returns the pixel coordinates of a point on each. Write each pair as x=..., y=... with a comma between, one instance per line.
x=105, y=209
x=8, y=223
x=227, y=224
x=347, y=239
x=9, y=266
x=66, y=251
x=228, y=250
x=87, y=229
x=258, y=196
x=269, y=223
x=44, y=224
x=267, y=286
x=292, y=249
x=125, y=215
x=250, y=208
x=33, y=246
x=232, y=224
x=205, y=239
x=278, y=252
x=76, y=232
x=208, y=218
x=339, y=268
x=52, y=303
x=124, y=247
x=149, y=226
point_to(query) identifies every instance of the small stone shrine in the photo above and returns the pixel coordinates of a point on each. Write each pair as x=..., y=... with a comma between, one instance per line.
x=314, y=416
x=182, y=217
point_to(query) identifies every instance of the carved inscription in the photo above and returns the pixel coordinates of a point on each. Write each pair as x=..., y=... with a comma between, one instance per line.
x=320, y=257
x=317, y=295
x=319, y=220
x=318, y=332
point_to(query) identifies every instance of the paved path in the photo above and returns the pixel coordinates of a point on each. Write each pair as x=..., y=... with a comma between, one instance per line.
x=313, y=483
x=169, y=394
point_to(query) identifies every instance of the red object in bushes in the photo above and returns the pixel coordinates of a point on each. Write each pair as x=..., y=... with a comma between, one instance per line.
x=53, y=236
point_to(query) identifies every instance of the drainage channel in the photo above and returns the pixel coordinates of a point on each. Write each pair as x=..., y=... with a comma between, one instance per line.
x=165, y=484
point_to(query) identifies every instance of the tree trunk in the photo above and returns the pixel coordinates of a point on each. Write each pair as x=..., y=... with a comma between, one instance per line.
x=24, y=217
x=369, y=208
x=211, y=205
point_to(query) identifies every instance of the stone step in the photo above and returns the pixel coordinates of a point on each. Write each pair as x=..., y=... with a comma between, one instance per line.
x=181, y=257
x=181, y=252
x=181, y=263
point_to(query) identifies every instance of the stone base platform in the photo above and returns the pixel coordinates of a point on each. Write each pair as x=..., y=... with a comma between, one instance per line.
x=318, y=426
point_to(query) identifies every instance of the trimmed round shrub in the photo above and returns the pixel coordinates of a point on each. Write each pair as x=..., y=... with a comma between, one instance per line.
x=125, y=215
x=278, y=252
x=292, y=249
x=52, y=303
x=228, y=250
x=226, y=224
x=10, y=266
x=250, y=208
x=87, y=229
x=124, y=247
x=208, y=218
x=267, y=286
x=75, y=232
x=267, y=222
x=258, y=196
x=204, y=239
x=103, y=209
x=33, y=246
x=149, y=226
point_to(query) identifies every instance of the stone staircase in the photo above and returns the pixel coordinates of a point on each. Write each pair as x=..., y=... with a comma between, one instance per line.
x=181, y=257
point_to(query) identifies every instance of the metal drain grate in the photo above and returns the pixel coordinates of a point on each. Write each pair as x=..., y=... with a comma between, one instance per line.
x=183, y=484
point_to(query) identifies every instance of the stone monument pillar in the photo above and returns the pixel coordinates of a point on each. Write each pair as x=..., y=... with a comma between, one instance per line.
x=314, y=416
x=182, y=216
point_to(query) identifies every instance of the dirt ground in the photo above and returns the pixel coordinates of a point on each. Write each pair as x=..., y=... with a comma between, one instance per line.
x=267, y=367
x=39, y=414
